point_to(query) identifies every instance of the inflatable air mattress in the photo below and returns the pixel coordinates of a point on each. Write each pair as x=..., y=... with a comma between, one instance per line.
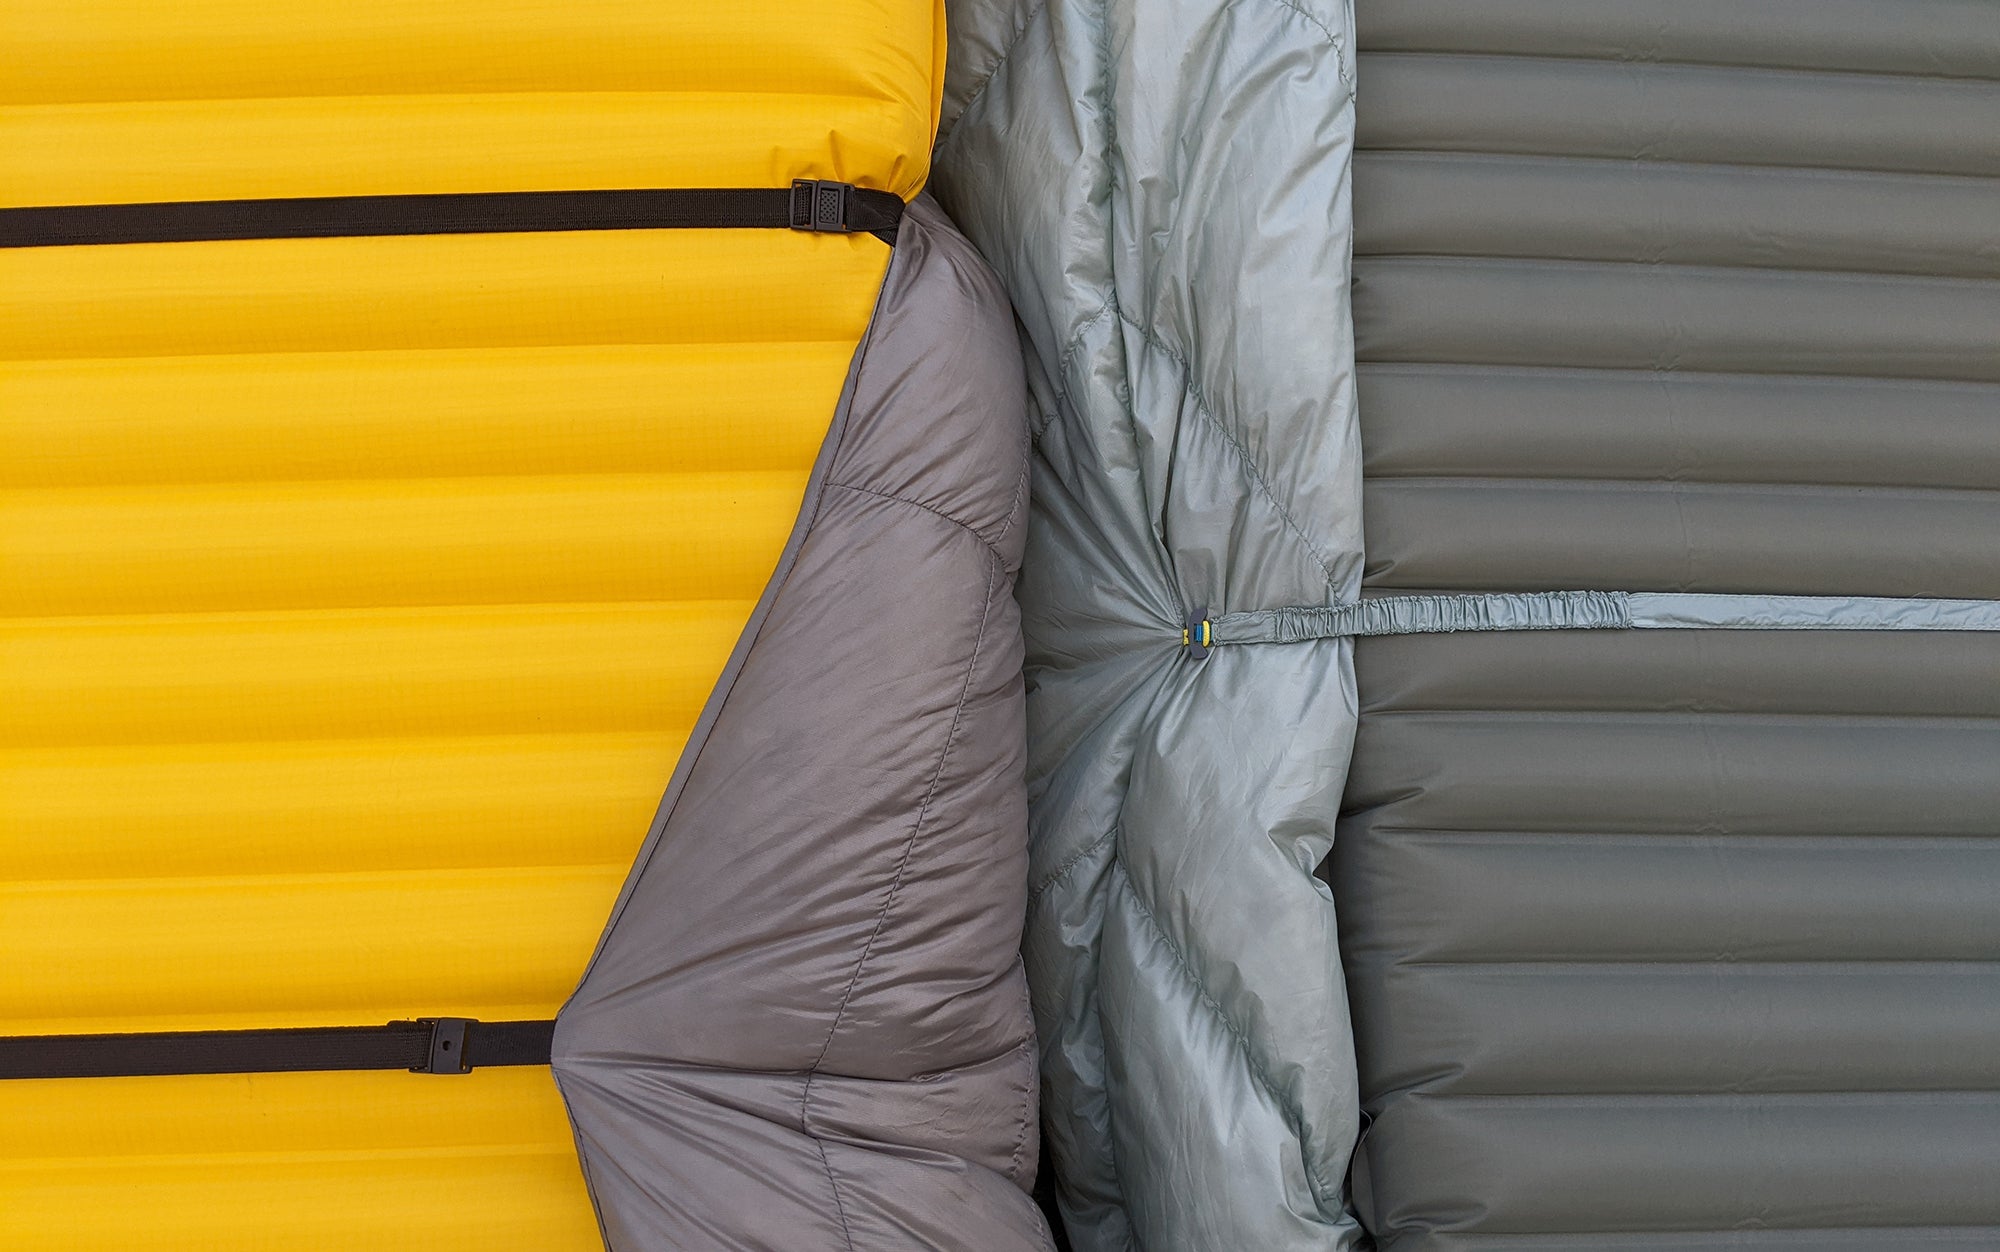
x=1678, y=940
x=390, y=496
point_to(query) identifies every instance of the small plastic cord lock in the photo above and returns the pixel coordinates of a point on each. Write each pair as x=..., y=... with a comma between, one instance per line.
x=1198, y=635
x=820, y=205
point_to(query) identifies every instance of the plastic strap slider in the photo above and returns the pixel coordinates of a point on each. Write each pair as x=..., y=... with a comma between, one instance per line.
x=820, y=205
x=447, y=1049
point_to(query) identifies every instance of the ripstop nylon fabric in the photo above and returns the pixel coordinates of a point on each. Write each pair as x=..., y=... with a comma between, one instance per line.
x=806, y=1026
x=1162, y=184
x=359, y=594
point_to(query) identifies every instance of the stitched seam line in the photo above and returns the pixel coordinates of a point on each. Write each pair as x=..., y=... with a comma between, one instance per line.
x=934, y=512
x=1250, y=1062
x=839, y=1208
x=1250, y=465
x=1017, y=508
x=1069, y=863
x=1339, y=57
x=1021, y=1134
x=1130, y=1241
x=895, y=886
x=1069, y=354
x=1032, y=1113
x=916, y=831
x=1201, y=406
x=999, y=63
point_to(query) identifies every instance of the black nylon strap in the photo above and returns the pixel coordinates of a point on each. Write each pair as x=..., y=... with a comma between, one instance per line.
x=808, y=204
x=445, y=1045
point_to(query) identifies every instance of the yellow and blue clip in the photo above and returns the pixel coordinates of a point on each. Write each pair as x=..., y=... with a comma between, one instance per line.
x=1198, y=635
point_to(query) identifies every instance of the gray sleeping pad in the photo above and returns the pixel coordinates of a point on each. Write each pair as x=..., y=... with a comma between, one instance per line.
x=1678, y=940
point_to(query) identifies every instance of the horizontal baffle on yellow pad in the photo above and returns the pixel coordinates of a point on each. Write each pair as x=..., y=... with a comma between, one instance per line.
x=481, y=943
x=135, y=100
x=374, y=145
x=438, y=291
x=327, y=807
x=83, y=51
x=347, y=543
x=320, y=1162
x=172, y=810
x=468, y=412
x=500, y=670
x=221, y=1114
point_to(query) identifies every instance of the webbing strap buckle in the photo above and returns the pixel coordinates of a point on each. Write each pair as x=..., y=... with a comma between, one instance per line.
x=819, y=204
x=447, y=1049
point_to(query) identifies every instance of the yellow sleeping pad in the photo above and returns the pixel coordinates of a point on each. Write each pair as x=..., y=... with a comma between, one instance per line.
x=357, y=595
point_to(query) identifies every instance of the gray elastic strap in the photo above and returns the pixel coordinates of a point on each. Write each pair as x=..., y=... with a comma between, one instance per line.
x=1689, y=610
x=1600, y=610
